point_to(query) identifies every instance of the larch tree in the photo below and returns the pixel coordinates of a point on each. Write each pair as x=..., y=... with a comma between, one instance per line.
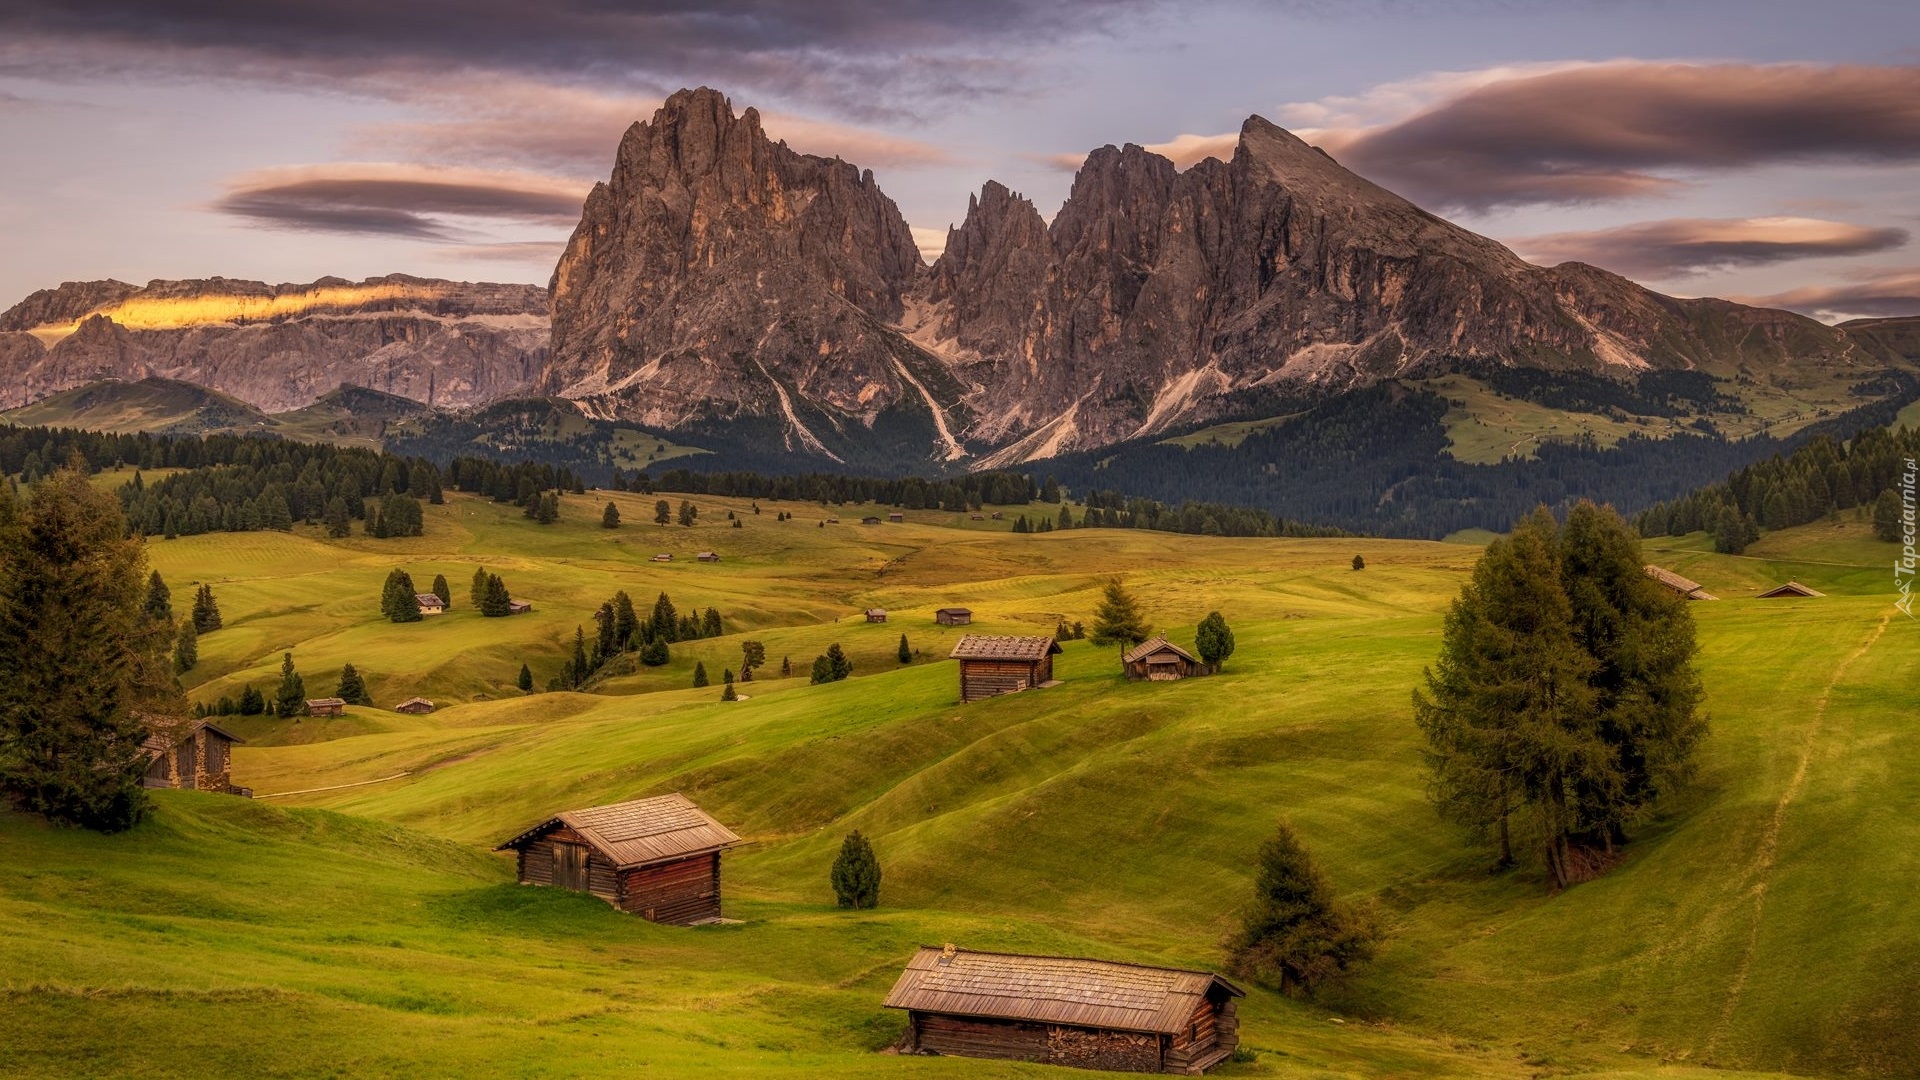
x=610, y=517
x=1118, y=619
x=662, y=512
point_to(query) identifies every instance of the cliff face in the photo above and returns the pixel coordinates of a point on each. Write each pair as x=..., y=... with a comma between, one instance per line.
x=719, y=275
x=450, y=344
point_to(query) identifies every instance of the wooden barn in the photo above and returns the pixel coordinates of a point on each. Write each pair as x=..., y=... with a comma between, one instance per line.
x=326, y=706
x=869, y=520
x=1161, y=660
x=663, y=557
x=708, y=556
x=196, y=757
x=954, y=616
x=991, y=665
x=430, y=604
x=876, y=614
x=896, y=517
x=416, y=705
x=1092, y=1014
x=658, y=858
x=1791, y=588
x=519, y=607
x=1684, y=586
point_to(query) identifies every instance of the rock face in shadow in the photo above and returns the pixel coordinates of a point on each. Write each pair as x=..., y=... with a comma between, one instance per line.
x=280, y=347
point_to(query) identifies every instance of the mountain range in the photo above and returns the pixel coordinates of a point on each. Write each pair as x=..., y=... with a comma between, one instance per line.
x=729, y=290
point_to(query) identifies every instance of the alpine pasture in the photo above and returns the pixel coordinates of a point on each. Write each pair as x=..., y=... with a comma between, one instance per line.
x=1764, y=922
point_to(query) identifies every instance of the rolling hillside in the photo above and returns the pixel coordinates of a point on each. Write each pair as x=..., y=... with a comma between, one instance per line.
x=371, y=931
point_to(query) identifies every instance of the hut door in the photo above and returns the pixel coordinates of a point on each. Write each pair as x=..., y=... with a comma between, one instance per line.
x=570, y=865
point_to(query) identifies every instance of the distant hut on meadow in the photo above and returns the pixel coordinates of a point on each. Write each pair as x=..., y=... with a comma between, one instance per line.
x=954, y=616
x=1161, y=660
x=415, y=705
x=991, y=664
x=1684, y=586
x=1791, y=588
x=869, y=520
x=708, y=556
x=658, y=858
x=519, y=607
x=195, y=757
x=430, y=604
x=896, y=517
x=876, y=614
x=325, y=706
x=1094, y=1014
x=663, y=557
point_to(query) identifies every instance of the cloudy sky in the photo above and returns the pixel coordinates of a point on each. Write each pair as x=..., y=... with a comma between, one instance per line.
x=1744, y=148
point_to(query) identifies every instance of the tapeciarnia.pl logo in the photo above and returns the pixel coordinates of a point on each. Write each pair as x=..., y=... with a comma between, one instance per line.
x=1903, y=567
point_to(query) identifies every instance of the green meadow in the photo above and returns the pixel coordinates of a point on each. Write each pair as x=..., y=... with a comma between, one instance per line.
x=1763, y=924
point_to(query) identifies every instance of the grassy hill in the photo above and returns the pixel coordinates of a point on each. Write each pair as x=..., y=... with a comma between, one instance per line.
x=149, y=405
x=1763, y=923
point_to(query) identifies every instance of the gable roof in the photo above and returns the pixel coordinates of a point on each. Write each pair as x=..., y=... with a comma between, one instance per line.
x=312, y=701
x=954, y=611
x=1003, y=647
x=1684, y=586
x=157, y=741
x=427, y=599
x=640, y=832
x=1053, y=989
x=1791, y=588
x=1153, y=645
x=415, y=701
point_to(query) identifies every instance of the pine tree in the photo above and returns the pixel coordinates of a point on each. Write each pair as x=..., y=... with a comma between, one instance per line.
x=786, y=667
x=666, y=624
x=710, y=624
x=352, y=688
x=752, y=655
x=159, y=603
x=1295, y=935
x=1066, y=516
x=905, y=652
x=688, y=513
x=610, y=517
x=726, y=675
x=206, y=611
x=525, y=681
x=478, y=595
x=497, y=601
x=728, y=693
x=822, y=671
x=1359, y=562
x=442, y=590
x=838, y=665
x=1888, y=524
x=252, y=702
x=626, y=624
x=1118, y=619
x=1213, y=640
x=577, y=666
x=291, y=699
x=338, y=524
x=547, y=509
x=662, y=512
x=398, y=602
x=699, y=674
x=654, y=653
x=856, y=874
x=83, y=660
x=186, y=648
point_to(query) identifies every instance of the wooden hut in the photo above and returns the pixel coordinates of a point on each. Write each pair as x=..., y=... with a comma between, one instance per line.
x=869, y=520
x=416, y=705
x=954, y=616
x=1791, y=588
x=896, y=517
x=430, y=603
x=519, y=607
x=1093, y=1014
x=658, y=858
x=196, y=756
x=708, y=556
x=663, y=557
x=325, y=706
x=991, y=665
x=1161, y=661
x=1684, y=586
x=876, y=614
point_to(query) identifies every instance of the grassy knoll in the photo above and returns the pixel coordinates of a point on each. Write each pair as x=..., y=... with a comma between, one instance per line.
x=1764, y=922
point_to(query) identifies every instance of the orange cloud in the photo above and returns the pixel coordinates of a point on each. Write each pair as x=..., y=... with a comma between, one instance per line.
x=1679, y=246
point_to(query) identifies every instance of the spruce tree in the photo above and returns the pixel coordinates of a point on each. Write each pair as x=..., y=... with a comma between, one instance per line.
x=689, y=513
x=662, y=512
x=1213, y=640
x=710, y=624
x=497, y=601
x=291, y=698
x=654, y=653
x=477, y=596
x=626, y=623
x=84, y=662
x=252, y=702
x=856, y=874
x=338, y=524
x=699, y=674
x=752, y=655
x=822, y=671
x=206, y=611
x=610, y=517
x=398, y=602
x=728, y=693
x=838, y=664
x=186, y=648
x=666, y=624
x=1888, y=523
x=1359, y=562
x=577, y=665
x=547, y=510
x=1294, y=935
x=352, y=689
x=1118, y=619
x=525, y=681
x=159, y=603
x=905, y=652
x=442, y=590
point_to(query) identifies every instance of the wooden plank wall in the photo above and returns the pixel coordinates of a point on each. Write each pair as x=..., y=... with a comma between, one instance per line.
x=676, y=893
x=1007, y=1040
x=989, y=678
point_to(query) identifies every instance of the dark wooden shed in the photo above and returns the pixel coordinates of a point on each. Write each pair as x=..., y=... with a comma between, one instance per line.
x=195, y=756
x=991, y=664
x=417, y=706
x=1094, y=1014
x=954, y=616
x=896, y=517
x=1161, y=661
x=658, y=858
x=325, y=706
x=876, y=614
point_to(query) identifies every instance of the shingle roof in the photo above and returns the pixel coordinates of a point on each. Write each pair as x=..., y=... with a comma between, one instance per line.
x=644, y=831
x=158, y=742
x=1153, y=645
x=312, y=701
x=1053, y=989
x=427, y=599
x=1791, y=588
x=1000, y=647
x=1684, y=586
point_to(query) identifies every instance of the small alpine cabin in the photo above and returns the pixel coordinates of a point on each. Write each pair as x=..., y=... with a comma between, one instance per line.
x=954, y=616
x=708, y=556
x=657, y=858
x=1160, y=660
x=876, y=614
x=1092, y=1014
x=326, y=706
x=869, y=520
x=418, y=706
x=896, y=517
x=196, y=757
x=1791, y=588
x=519, y=607
x=1684, y=586
x=991, y=664
x=430, y=603
x=663, y=557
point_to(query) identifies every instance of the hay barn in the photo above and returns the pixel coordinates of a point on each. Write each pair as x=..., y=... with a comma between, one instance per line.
x=869, y=520
x=194, y=757
x=1791, y=588
x=326, y=706
x=1160, y=660
x=876, y=614
x=418, y=706
x=519, y=607
x=1092, y=1014
x=896, y=518
x=954, y=616
x=430, y=604
x=708, y=556
x=991, y=665
x=1684, y=586
x=657, y=858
